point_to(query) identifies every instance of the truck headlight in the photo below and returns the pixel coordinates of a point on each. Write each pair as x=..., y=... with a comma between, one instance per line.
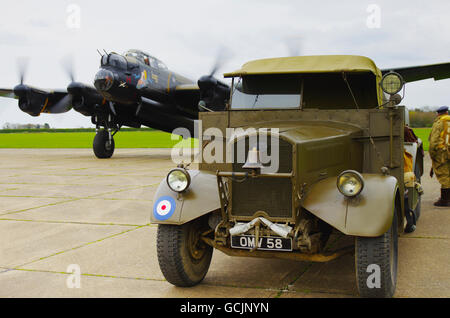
x=392, y=83
x=350, y=183
x=178, y=180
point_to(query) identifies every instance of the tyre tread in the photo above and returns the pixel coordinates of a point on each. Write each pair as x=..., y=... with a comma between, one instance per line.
x=374, y=250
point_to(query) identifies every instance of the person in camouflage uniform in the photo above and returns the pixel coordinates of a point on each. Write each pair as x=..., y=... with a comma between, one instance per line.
x=440, y=156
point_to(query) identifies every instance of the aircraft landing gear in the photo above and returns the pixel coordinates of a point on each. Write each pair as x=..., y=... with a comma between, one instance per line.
x=103, y=144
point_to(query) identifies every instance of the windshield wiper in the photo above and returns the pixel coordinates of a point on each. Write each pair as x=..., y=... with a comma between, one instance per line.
x=256, y=99
x=344, y=76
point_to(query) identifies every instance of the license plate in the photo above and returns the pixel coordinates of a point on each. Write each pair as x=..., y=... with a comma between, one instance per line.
x=268, y=243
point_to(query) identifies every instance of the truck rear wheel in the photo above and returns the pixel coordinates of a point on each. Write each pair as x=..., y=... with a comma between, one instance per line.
x=376, y=263
x=183, y=257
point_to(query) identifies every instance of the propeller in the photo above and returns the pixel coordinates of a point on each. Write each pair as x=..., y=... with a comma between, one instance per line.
x=21, y=90
x=213, y=93
x=224, y=54
x=22, y=66
x=74, y=88
x=206, y=82
x=81, y=96
x=68, y=66
x=63, y=105
x=293, y=45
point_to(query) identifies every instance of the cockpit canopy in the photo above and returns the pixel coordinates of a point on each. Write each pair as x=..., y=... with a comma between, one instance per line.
x=146, y=59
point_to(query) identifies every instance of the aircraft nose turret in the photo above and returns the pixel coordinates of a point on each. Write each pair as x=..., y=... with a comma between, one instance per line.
x=103, y=80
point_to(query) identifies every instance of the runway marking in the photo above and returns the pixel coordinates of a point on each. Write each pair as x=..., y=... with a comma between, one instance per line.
x=80, y=222
x=85, y=274
x=79, y=246
x=41, y=206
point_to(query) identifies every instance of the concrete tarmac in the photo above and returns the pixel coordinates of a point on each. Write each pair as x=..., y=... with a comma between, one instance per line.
x=63, y=210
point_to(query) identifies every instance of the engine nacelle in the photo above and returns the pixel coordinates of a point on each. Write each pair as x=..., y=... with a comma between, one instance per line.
x=84, y=98
x=31, y=101
x=84, y=105
x=214, y=93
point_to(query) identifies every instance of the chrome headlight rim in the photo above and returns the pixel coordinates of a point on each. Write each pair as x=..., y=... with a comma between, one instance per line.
x=355, y=174
x=185, y=173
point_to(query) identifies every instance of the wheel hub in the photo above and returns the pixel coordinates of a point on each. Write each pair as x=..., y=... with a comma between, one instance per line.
x=196, y=246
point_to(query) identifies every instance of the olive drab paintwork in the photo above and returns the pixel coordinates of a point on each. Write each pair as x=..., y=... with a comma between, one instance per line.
x=337, y=143
x=321, y=64
x=201, y=198
x=353, y=127
x=323, y=149
x=369, y=214
x=326, y=141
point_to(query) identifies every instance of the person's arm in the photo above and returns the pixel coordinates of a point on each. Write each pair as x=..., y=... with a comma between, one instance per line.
x=435, y=138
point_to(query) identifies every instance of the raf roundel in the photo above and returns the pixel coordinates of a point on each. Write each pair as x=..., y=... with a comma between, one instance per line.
x=164, y=208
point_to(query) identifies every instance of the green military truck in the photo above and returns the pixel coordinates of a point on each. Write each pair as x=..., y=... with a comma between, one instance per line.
x=335, y=129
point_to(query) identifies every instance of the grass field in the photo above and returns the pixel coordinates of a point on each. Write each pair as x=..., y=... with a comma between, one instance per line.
x=124, y=139
x=423, y=134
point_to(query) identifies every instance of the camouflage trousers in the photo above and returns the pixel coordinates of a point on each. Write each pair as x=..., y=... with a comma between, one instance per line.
x=441, y=168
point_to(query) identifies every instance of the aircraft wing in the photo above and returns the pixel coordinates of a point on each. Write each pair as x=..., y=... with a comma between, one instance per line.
x=417, y=73
x=5, y=92
x=187, y=96
x=187, y=88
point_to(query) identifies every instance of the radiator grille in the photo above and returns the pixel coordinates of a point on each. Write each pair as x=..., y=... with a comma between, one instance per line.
x=271, y=195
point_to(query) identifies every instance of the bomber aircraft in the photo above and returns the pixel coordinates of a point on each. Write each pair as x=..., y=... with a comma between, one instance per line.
x=132, y=89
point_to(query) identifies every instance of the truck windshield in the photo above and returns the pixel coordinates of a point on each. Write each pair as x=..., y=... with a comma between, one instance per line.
x=263, y=92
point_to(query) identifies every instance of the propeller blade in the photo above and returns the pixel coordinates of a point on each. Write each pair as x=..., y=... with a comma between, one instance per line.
x=294, y=45
x=22, y=66
x=63, y=105
x=68, y=65
x=224, y=54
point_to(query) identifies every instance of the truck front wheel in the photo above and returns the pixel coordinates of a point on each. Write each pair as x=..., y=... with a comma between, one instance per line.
x=183, y=257
x=376, y=263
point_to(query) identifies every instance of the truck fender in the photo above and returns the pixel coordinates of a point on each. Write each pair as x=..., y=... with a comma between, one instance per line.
x=368, y=214
x=201, y=197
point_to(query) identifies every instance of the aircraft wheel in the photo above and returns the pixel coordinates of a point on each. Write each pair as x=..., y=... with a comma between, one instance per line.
x=183, y=257
x=103, y=148
x=376, y=263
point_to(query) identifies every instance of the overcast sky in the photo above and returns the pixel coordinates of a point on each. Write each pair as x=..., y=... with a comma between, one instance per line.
x=187, y=36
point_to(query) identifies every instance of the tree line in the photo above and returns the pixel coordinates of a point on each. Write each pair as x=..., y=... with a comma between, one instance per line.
x=422, y=117
x=25, y=126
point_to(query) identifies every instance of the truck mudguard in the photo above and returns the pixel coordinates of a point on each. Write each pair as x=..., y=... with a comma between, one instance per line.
x=369, y=214
x=201, y=197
